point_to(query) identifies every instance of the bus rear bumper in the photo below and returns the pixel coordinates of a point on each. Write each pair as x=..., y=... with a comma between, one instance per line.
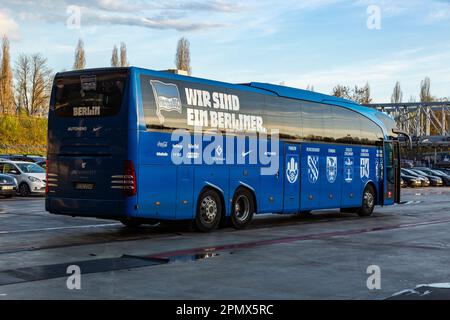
x=108, y=209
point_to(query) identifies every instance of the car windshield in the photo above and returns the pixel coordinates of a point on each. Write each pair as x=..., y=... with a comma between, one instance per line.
x=30, y=168
x=420, y=172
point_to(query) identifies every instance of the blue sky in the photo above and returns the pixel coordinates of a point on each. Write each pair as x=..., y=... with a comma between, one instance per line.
x=310, y=42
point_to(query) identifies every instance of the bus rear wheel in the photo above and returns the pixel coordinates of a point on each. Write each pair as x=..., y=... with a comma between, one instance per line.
x=209, y=211
x=368, y=202
x=243, y=208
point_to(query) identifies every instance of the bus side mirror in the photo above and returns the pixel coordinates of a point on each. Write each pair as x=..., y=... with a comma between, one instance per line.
x=403, y=133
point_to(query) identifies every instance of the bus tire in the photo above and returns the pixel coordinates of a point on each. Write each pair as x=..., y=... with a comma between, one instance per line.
x=368, y=202
x=242, y=208
x=209, y=211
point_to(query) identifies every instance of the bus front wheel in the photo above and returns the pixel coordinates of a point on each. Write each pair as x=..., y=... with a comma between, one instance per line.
x=368, y=202
x=209, y=211
x=243, y=208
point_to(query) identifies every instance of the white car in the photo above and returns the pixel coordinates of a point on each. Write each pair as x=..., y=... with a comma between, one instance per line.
x=30, y=177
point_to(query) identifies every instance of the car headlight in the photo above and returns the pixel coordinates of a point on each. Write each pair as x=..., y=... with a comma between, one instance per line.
x=33, y=179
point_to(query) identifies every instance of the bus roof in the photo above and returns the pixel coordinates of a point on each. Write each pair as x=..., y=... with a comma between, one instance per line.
x=263, y=88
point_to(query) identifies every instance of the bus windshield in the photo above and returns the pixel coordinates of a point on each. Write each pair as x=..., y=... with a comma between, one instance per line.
x=89, y=95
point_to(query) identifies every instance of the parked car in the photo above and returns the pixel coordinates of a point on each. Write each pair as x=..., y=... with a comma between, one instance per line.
x=434, y=180
x=424, y=180
x=30, y=177
x=445, y=177
x=43, y=164
x=8, y=186
x=413, y=182
x=22, y=157
x=403, y=183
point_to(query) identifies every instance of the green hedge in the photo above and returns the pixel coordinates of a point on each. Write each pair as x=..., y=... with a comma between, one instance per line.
x=23, y=134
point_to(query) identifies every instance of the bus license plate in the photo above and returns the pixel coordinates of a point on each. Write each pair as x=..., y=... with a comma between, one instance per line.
x=84, y=186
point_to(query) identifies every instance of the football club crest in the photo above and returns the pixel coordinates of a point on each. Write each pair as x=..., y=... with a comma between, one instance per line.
x=313, y=168
x=292, y=170
x=331, y=169
x=348, y=169
x=364, y=169
x=167, y=98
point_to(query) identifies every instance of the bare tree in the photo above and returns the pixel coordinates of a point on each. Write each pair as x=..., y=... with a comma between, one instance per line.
x=358, y=94
x=6, y=80
x=22, y=73
x=342, y=91
x=425, y=94
x=183, y=56
x=123, y=55
x=362, y=95
x=310, y=88
x=33, y=84
x=80, y=56
x=115, y=57
x=397, y=94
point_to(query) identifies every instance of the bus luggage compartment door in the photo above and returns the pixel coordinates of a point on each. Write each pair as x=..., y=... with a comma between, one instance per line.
x=292, y=179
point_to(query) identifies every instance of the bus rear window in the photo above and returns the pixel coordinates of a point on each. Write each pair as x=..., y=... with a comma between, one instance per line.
x=89, y=95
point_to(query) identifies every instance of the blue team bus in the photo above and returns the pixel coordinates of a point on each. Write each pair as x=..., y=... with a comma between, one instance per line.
x=141, y=146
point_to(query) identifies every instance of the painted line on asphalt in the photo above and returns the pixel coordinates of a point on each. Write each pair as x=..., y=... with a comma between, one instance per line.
x=62, y=228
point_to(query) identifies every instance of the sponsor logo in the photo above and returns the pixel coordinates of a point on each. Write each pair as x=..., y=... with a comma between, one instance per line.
x=167, y=98
x=313, y=168
x=162, y=154
x=97, y=129
x=162, y=144
x=83, y=165
x=292, y=170
x=78, y=129
x=348, y=169
x=219, y=150
x=244, y=154
x=331, y=169
x=365, y=168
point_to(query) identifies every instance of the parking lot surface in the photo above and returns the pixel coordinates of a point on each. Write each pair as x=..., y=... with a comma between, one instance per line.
x=325, y=255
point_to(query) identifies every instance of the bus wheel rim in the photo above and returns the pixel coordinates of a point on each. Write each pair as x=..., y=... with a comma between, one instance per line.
x=368, y=199
x=208, y=209
x=242, y=208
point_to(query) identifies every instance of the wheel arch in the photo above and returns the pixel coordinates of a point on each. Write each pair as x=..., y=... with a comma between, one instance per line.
x=373, y=185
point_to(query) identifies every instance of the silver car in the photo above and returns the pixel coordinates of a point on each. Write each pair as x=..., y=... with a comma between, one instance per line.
x=30, y=177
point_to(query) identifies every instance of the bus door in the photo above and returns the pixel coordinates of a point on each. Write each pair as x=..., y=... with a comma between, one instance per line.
x=292, y=170
x=391, y=172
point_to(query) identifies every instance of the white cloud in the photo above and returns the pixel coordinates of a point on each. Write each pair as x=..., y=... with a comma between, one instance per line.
x=439, y=12
x=8, y=26
x=409, y=67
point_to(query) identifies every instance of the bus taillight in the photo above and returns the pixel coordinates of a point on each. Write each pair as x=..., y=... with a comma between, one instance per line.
x=131, y=188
